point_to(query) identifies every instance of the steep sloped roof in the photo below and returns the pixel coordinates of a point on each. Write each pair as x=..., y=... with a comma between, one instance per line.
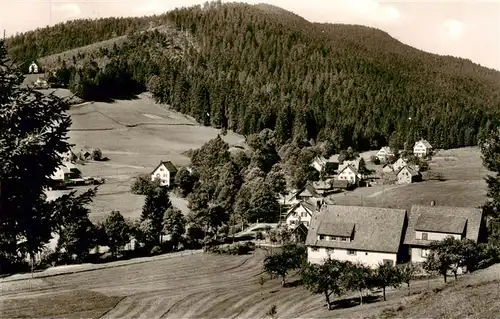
x=376, y=229
x=168, y=165
x=443, y=219
x=424, y=142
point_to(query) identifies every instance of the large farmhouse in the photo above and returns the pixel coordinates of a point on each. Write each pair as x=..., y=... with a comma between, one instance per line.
x=422, y=148
x=165, y=172
x=358, y=234
x=430, y=223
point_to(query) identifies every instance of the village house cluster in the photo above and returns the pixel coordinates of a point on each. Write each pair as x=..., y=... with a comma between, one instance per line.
x=373, y=235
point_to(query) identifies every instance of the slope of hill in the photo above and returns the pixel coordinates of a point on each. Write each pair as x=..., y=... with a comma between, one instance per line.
x=472, y=296
x=252, y=67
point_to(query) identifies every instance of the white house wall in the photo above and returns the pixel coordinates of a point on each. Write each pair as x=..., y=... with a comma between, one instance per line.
x=163, y=175
x=347, y=175
x=305, y=216
x=371, y=259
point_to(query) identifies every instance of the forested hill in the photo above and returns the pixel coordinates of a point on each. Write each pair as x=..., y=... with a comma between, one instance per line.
x=250, y=67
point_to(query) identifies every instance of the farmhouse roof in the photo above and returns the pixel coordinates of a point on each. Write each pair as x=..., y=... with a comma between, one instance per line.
x=443, y=219
x=413, y=171
x=308, y=189
x=424, y=142
x=376, y=229
x=354, y=170
x=335, y=229
x=168, y=165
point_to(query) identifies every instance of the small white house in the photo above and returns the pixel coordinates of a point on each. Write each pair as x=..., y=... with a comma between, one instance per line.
x=408, y=175
x=33, y=68
x=165, y=172
x=399, y=164
x=319, y=163
x=430, y=223
x=350, y=174
x=384, y=153
x=368, y=235
x=66, y=171
x=422, y=148
x=300, y=213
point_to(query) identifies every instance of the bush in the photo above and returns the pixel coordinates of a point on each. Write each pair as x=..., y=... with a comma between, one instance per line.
x=143, y=185
x=233, y=249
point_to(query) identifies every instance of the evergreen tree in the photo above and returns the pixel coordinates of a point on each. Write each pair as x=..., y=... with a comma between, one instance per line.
x=34, y=133
x=155, y=205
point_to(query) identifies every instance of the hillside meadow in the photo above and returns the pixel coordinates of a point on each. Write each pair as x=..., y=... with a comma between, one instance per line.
x=135, y=135
x=194, y=286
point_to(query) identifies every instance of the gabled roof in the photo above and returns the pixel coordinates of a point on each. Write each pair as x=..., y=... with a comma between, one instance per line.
x=386, y=150
x=441, y=224
x=308, y=189
x=376, y=229
x=352, y=168
x=168, y=165
x=443, y=219
x=308, y=207
x=335, y=229
x=401, y=160
x=353, y=163
x=424, y=142
x=411, y=170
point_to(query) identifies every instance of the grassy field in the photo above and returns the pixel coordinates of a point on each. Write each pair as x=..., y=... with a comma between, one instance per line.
x=196, y=286
x=135, y=135
x=463, y=184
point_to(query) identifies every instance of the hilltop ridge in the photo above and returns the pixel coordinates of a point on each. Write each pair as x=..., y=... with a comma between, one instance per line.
x=249, y=67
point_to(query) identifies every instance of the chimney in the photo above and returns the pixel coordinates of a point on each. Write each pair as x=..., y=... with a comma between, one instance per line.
x=433, y=203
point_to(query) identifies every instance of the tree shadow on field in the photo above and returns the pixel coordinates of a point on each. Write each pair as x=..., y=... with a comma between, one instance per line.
x=294, y=283
x=353, y=302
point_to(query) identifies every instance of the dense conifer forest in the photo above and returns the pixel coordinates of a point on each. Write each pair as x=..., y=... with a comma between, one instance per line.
x=249, y=67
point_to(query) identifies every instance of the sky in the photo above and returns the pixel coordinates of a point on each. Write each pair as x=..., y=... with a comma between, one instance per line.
x=463, y=28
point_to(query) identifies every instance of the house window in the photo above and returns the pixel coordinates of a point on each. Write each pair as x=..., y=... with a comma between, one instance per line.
x=343, y=239
x=303, y=214
x=424, y=253
x=366, y=254
x=292, y=222
x=321, y=237
x=314, y=249
x=351, y=252
x=333, y=238
x=161, y=169
x=425, y=236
